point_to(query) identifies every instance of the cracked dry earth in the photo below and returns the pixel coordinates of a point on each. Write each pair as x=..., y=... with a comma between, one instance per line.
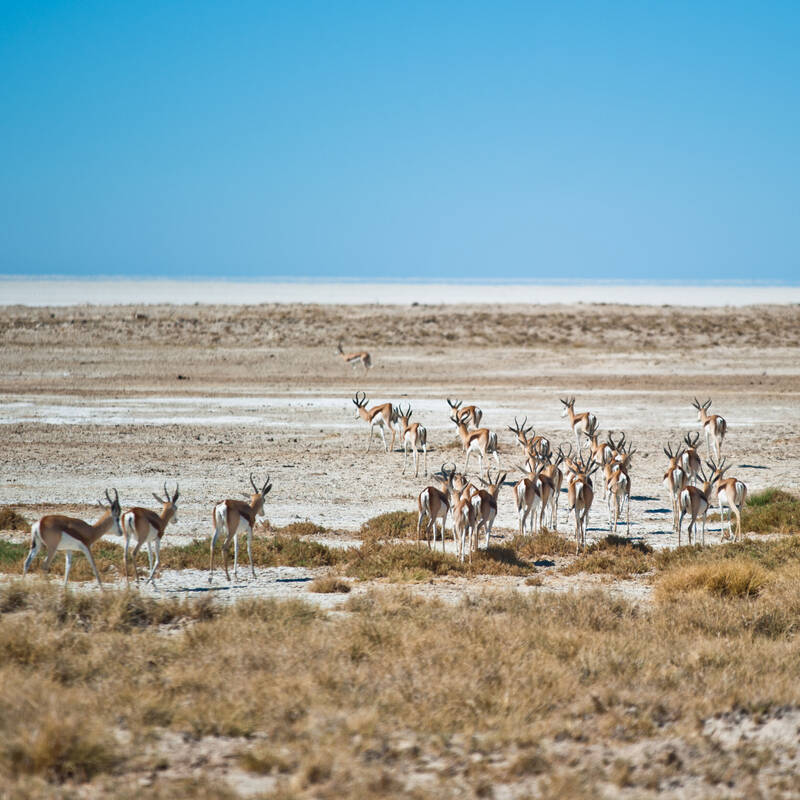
x=134, y=397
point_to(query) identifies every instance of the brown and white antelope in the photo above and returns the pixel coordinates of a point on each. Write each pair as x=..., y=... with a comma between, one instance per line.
x=690, y=460
x=382, y=416
x=485, y=503
x=531, y=493
x=482, y=441
x=473, y=413
x=714, y=425
x=148, y=527
x=731, y=494
x=433, y=505
x=57, y=533
x=465, y=520
x=580, y=423
x=528, y=439
x=362, y=357
x=674, y=480
x=581, y=495
x=413, y=435
x=233, y=517
x=694, y=502
x=618, y=488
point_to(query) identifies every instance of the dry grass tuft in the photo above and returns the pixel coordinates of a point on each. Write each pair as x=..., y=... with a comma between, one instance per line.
x=329, y=584
x=731, y=578
x=391, y=525
x=614, y=555
x=304, y=528
x=546, y=543
x=771, y=511
x=12, y=520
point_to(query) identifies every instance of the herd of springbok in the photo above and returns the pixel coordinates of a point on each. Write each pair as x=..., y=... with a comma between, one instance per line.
x=472, y=508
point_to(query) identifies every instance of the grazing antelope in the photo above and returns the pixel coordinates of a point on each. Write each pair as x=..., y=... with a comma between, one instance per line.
x=731, y=494
x=354, y=359
x=694, y=502
x=485, y=503
x=232, y=517
x=581, y=496
x=415, y=435
x=714, y=426
x=690, y=460
x=148, y=528
x=473, y=413
x=382, y=416
x=674, y=480
x=68, y=534
x=580, y=423
x=483, y=441
x=433, y=505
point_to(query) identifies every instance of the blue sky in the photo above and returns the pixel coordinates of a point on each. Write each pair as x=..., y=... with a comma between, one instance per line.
x=535, y=141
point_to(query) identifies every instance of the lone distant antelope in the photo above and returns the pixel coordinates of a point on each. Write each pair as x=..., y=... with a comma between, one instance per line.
x=231, y=517
x=383, y=416
x=354, y=359
x=714, y=425
x=148, y=527
x=57, y=532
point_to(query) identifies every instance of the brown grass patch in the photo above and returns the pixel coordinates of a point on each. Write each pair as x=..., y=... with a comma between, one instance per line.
x=545, y=543
x=329, y=584
x=304, y=528
x=391, y=525
x=12, y=520
x=731, y=578
x=771, y=511
x=614, y=555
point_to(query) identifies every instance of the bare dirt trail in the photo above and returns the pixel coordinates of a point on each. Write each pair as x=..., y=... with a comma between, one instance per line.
x=93, y=396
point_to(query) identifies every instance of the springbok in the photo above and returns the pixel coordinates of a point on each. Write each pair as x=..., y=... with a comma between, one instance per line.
x=618, y=486
x=465, y=519
x=382, y=416
x=580, y=423
x=531, y=493
x=362, y=357
x=581, y=495
x=55, y=532
x=674, y=480
x=731, y=494
x=232, y=517
x=473, y=413
x=433, y=505
x=714, y=425
x=485, y=502
x=690, y=460
x=148, y=528
x=482, y=441
x=529, y=440
x=414, y=435
x=694, y=502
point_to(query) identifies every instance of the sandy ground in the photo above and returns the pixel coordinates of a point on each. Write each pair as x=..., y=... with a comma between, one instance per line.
x=135, y=396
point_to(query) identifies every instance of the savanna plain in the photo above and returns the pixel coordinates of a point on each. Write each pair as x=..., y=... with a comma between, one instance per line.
x=357, y=663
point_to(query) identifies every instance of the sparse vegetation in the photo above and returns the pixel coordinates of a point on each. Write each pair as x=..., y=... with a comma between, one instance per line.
x=731, y=578
x=329, y=584
x=771, y=511
x=391, y=525
x=304, y=528
x=614, y=555
x=337, y=706
x=12, y=520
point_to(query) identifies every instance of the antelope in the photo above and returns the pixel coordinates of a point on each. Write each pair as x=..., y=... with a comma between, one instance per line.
x=714, y=426
x=485, y=503
x=600, y=452
x=483, y=441
x=233, y=516
x=580, y=423
x=433, y=505
x=674, y=480
x=57, y=532
x=731, y=494
x=536, y=443
x=581, y=496
x=695, y=502
x=690, y=461
x=354, y=359
x=553, y=472
x=382, y=416
x=618, y=486
x=531, y=493
x=473, y=413
x=464, y=522
x=415, y=435
x=148, y=528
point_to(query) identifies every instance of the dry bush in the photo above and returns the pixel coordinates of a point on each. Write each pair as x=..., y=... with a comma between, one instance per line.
x=545, y=543
x=12, y=520
x=304, y=528
x=391, y=525
x=329, y=584
x=771, y=511
x=731, y=578
x=614, y=555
